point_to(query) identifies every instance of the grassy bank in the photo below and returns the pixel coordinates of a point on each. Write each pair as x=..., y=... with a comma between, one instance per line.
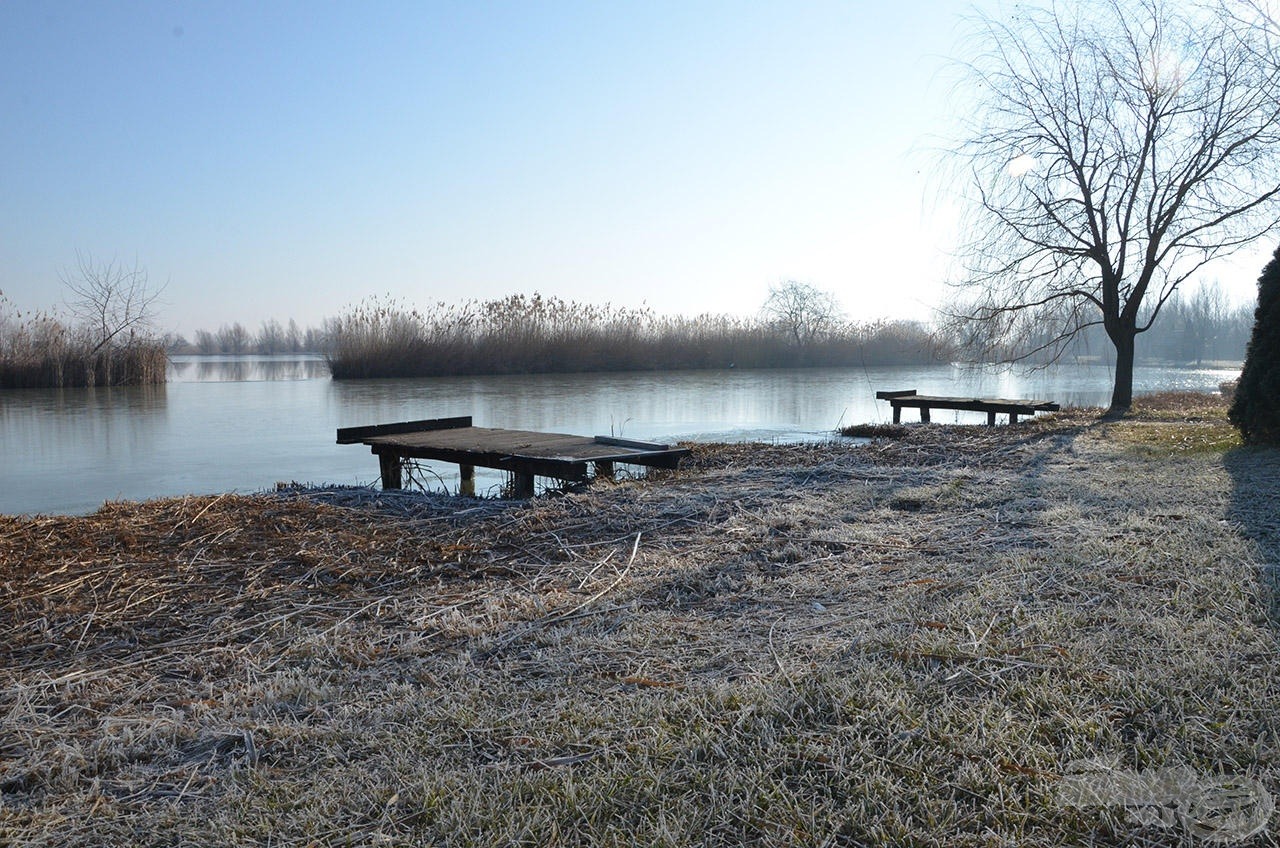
x=526, y=335
x=911, y=642
x=43, y=352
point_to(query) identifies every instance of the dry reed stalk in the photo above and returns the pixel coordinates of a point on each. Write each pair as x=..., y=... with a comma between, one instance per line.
x=41, y=351
x=521, y=335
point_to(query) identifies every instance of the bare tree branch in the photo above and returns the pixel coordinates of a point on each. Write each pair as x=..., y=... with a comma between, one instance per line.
x=1118, y=146
x=112, y=301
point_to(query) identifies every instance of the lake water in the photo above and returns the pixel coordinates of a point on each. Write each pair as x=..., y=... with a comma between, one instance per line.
x=244, y=423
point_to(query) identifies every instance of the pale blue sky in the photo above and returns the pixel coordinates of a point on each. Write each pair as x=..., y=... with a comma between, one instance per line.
x=287, y=159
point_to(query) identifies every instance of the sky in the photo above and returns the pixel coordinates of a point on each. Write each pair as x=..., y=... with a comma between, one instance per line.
x=287, y=160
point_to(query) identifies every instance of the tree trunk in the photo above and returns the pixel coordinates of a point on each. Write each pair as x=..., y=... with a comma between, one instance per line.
x=1122, y=391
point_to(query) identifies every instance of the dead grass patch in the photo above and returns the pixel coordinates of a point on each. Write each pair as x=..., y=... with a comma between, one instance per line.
x=1162, y=438
x=1181, y=406
x=874, y=431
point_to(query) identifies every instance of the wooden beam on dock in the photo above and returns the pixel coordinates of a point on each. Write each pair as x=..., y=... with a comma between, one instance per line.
x=355, y=435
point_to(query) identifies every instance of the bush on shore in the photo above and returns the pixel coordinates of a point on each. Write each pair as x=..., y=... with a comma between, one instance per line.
x=526, y=335
x=1255, y=408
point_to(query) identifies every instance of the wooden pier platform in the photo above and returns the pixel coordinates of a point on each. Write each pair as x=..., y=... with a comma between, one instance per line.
x=524, y=453
x=1011, y=407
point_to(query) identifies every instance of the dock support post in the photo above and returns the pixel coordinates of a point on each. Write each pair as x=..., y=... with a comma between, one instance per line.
x=390, y=466
x=991, y=418
x=897, y=414
x=1013, y=418
x=924, y=414
x=521, y=484
x=604, y=470
x=467, y=480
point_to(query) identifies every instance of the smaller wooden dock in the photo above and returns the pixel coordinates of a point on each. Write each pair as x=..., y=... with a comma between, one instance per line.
x=524, y=453
x=1011, y=407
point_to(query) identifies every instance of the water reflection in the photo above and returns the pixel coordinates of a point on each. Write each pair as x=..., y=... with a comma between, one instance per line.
x=65, y=448
x=48, y=418
x=214, y=369
x=728, y=403
x=640, y=405
x=244, y=423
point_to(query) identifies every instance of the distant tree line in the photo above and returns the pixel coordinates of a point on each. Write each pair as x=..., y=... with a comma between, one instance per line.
x=1194, y=328
x=1197, y=328
x=235, y=339
x=798, y=325
x=107, y=338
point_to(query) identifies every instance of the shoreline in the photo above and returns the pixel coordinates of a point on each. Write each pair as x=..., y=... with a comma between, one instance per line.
x=72, y=452
x=910, y=640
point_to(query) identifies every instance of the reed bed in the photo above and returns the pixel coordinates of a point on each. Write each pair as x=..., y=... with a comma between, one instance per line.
x=523, y=335
x=906, y=642
x=39, y=351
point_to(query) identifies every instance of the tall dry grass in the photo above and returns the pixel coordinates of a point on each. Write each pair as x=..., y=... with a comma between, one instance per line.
x=526, y=335
x=38, y=350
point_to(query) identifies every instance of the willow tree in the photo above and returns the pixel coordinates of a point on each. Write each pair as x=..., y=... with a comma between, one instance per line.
x=1113, y=149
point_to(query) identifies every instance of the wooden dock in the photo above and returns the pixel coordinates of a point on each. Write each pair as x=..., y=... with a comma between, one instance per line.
x=1011, y=407
x=523, y=453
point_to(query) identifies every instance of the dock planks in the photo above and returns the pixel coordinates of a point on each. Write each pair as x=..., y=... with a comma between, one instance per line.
x=524, y=453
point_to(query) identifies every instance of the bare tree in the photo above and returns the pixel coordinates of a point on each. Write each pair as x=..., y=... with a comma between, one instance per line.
x=1206, y=311
x=112, y=300
x=175, y=343
x=801, y=311
x=319, y=339
x=293, y=337
x=233, y=338
x=1116, y=148
x=206, y=342
x=271, y=337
